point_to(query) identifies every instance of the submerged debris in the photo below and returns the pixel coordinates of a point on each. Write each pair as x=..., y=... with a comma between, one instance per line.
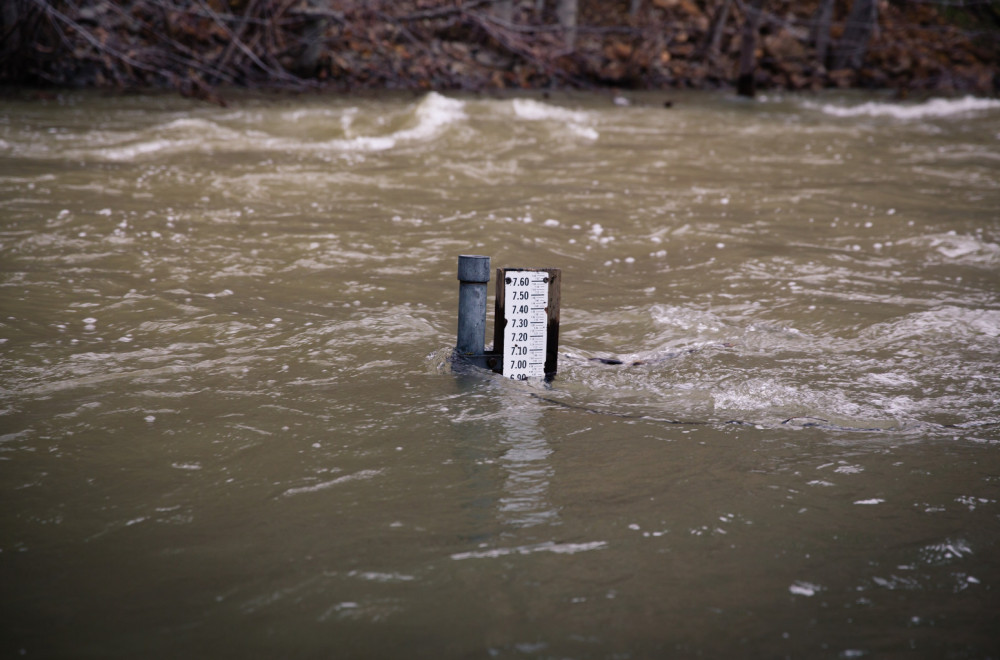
x=658, y=358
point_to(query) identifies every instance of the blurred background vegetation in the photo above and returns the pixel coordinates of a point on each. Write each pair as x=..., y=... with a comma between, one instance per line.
x=201, y=46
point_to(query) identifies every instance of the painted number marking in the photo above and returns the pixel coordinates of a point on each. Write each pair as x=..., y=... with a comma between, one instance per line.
x=526, y=295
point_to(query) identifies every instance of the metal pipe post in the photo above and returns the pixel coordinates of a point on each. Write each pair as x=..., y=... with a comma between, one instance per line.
x=473, y=275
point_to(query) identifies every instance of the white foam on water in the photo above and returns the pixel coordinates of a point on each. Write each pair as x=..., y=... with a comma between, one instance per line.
x=964, y=248
x=536, y=111
x=935, y=108
x=688, y=319
x=362, y=143
x=363, y=474
x=145, y=148
x=585, y=132
x=375, y=576
x=945, y=551
x=432, y=114
x=755, y=394
x=899, y=406
x=306, y=114
x=191, y=134
x=800, y=588
x=548, y=546
x=196, y=124
x=926, y=328
x=891, y=379
x=576, y=121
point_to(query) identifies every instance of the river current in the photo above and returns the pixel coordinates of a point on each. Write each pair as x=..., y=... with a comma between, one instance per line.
x=230, y=425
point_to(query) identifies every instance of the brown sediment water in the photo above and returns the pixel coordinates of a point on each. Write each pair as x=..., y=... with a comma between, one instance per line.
x=229, y=426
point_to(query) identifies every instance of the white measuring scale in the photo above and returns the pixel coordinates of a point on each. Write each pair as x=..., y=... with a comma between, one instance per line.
x=526, y=297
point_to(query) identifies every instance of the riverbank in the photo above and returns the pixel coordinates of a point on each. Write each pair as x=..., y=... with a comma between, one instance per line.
x=477, y=45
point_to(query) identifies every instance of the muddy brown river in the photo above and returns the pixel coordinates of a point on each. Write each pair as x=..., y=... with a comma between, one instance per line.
x=230, y=426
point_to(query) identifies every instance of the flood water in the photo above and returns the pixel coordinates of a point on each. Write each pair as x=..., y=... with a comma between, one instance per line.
x=230, y=427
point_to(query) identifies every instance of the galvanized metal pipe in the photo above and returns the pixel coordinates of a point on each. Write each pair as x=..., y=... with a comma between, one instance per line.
x=473, y=275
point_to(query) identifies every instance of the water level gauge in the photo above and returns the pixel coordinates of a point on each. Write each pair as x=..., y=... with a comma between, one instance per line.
x=527, y=322
x=526, y=297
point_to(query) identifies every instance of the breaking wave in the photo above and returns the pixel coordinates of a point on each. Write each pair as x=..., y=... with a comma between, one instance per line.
x=935, y=108
x=576, y=121
x=422, y=121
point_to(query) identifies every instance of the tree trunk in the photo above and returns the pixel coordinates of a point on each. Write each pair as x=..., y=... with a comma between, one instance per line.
x=312, y=40
x=853, y=46
x=746, y=85
x=718, y=27
x=633, y=8
x=566, y=12
x=821, y=29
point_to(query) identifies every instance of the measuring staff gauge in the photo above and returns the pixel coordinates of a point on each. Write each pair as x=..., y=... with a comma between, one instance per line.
x=526, y=297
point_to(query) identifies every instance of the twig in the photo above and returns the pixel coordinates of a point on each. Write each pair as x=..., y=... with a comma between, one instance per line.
x=166, y=53
x=443, y=11
x=92, y=40
x=504, y=39
x=279, y=73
